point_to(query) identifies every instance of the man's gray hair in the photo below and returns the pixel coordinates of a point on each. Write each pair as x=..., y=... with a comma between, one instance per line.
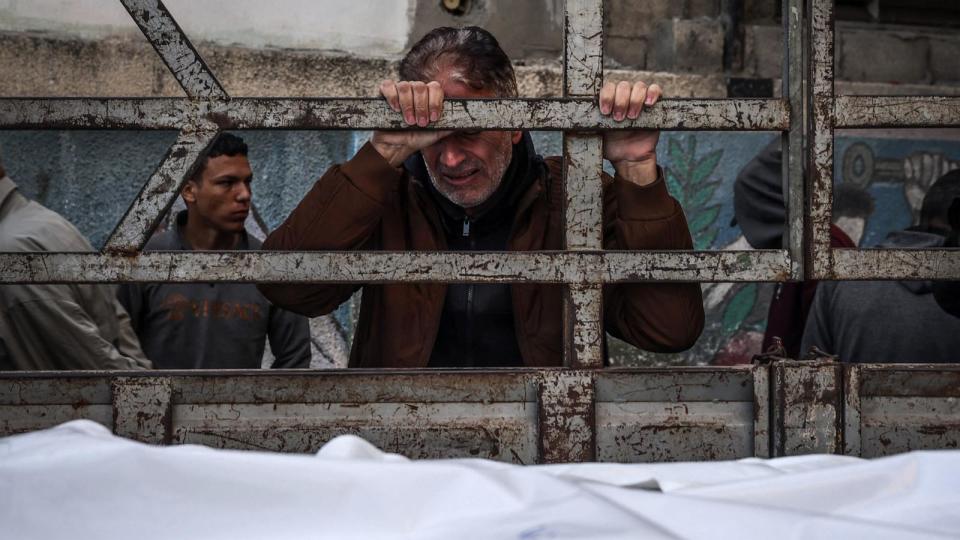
x=476, y=55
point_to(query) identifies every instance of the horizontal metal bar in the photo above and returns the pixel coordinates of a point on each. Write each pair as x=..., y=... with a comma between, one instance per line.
x=390, y=267
x=373, y=113
x=897, y=111
x=905, y=264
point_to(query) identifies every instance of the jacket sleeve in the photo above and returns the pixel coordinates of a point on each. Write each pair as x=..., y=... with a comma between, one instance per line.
x=289, y=339
x=340, y=213
x=658, y=317
x=56, y=333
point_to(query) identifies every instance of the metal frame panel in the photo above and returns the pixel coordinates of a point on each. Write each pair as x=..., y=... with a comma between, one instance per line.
x=795, y=408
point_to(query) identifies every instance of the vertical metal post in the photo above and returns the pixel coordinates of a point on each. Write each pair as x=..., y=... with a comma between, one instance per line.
x=820, y=196
x=852, y=445
x=143, y=409
x=761, y=411
x=792, y=141
x=807, y=407
x=567, y=418
x=583, y=166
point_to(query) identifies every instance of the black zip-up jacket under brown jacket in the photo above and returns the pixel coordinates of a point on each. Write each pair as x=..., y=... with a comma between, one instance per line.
x=367, y=204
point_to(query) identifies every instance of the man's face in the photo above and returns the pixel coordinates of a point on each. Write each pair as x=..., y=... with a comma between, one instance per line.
x=468, y=167
x=220, y=197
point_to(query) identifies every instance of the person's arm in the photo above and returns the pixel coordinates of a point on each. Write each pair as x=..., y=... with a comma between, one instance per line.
x=818, y=331
x=658, y=317
x=344, y=208
x=54, y=333
x=289, y=335
x=341, y=212
x=639, y=214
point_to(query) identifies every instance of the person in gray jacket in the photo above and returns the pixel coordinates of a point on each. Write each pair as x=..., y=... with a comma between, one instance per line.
x=891, y=321
x=57, y=327
x=222, y=325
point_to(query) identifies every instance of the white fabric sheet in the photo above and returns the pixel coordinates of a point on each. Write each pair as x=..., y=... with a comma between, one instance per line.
x=79, y=481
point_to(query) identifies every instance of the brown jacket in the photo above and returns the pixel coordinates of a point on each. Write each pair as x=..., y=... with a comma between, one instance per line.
x=367, y=204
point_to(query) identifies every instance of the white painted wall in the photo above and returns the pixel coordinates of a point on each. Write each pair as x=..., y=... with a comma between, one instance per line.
x=367, y=27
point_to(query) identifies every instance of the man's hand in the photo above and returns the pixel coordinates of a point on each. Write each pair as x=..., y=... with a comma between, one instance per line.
x=632, y=153
x=421, y=104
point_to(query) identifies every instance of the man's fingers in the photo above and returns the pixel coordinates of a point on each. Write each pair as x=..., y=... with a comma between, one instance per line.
x=406, y=102
x=435, y=100
x=421, y=103
x=637, y=96
x=622, y=100
x=654, y=93
x=607, y=94
x=388, y=89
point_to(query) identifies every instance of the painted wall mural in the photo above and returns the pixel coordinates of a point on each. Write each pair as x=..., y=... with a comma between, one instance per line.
x=91, y=176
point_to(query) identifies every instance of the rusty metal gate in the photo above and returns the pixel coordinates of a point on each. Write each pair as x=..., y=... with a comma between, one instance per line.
x=577, y=413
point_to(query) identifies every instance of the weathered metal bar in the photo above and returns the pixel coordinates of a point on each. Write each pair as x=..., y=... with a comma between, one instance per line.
x=710, y=266
x=159, y=193
x=897, y=111
x=173, y=46
x=905, y=264
x=583, y=48
x=583, y=205
x=583, y=328
x=791, y=143
x=906, y=407
x=368, y=113
x=820, y=143
x=567, y=422
x=910, y=380
x=807, y=407
x=143, y=408
x=387, y=267
x=762, y=438
x=671, y=415
x=851, y=410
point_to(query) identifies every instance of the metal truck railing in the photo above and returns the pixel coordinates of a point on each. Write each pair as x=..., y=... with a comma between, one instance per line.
x=578, y=413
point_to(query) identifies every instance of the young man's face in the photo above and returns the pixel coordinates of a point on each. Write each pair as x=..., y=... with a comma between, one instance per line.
x=468, y=167
x=220, y=197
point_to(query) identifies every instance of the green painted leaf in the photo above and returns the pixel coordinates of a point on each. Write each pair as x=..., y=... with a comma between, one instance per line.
x=703, y=219
x=739, y=308
x=704, y=240
x=674, y=186
x=691, y=147
x=678, y=160
x=704, y=194
x=705, y=167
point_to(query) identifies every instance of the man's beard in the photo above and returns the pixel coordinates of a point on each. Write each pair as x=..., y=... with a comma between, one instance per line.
x=469, y=198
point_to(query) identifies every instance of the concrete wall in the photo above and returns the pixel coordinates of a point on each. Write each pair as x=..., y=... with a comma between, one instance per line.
x=367, y=27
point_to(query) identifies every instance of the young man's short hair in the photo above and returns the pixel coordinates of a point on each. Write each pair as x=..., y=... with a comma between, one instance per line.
x=227, y=144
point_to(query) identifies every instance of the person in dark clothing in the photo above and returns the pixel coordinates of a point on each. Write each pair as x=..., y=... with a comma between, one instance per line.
x=760, y=210
x=214, y=326
x=891, y=321
x=483, y=190
x=947, y=293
